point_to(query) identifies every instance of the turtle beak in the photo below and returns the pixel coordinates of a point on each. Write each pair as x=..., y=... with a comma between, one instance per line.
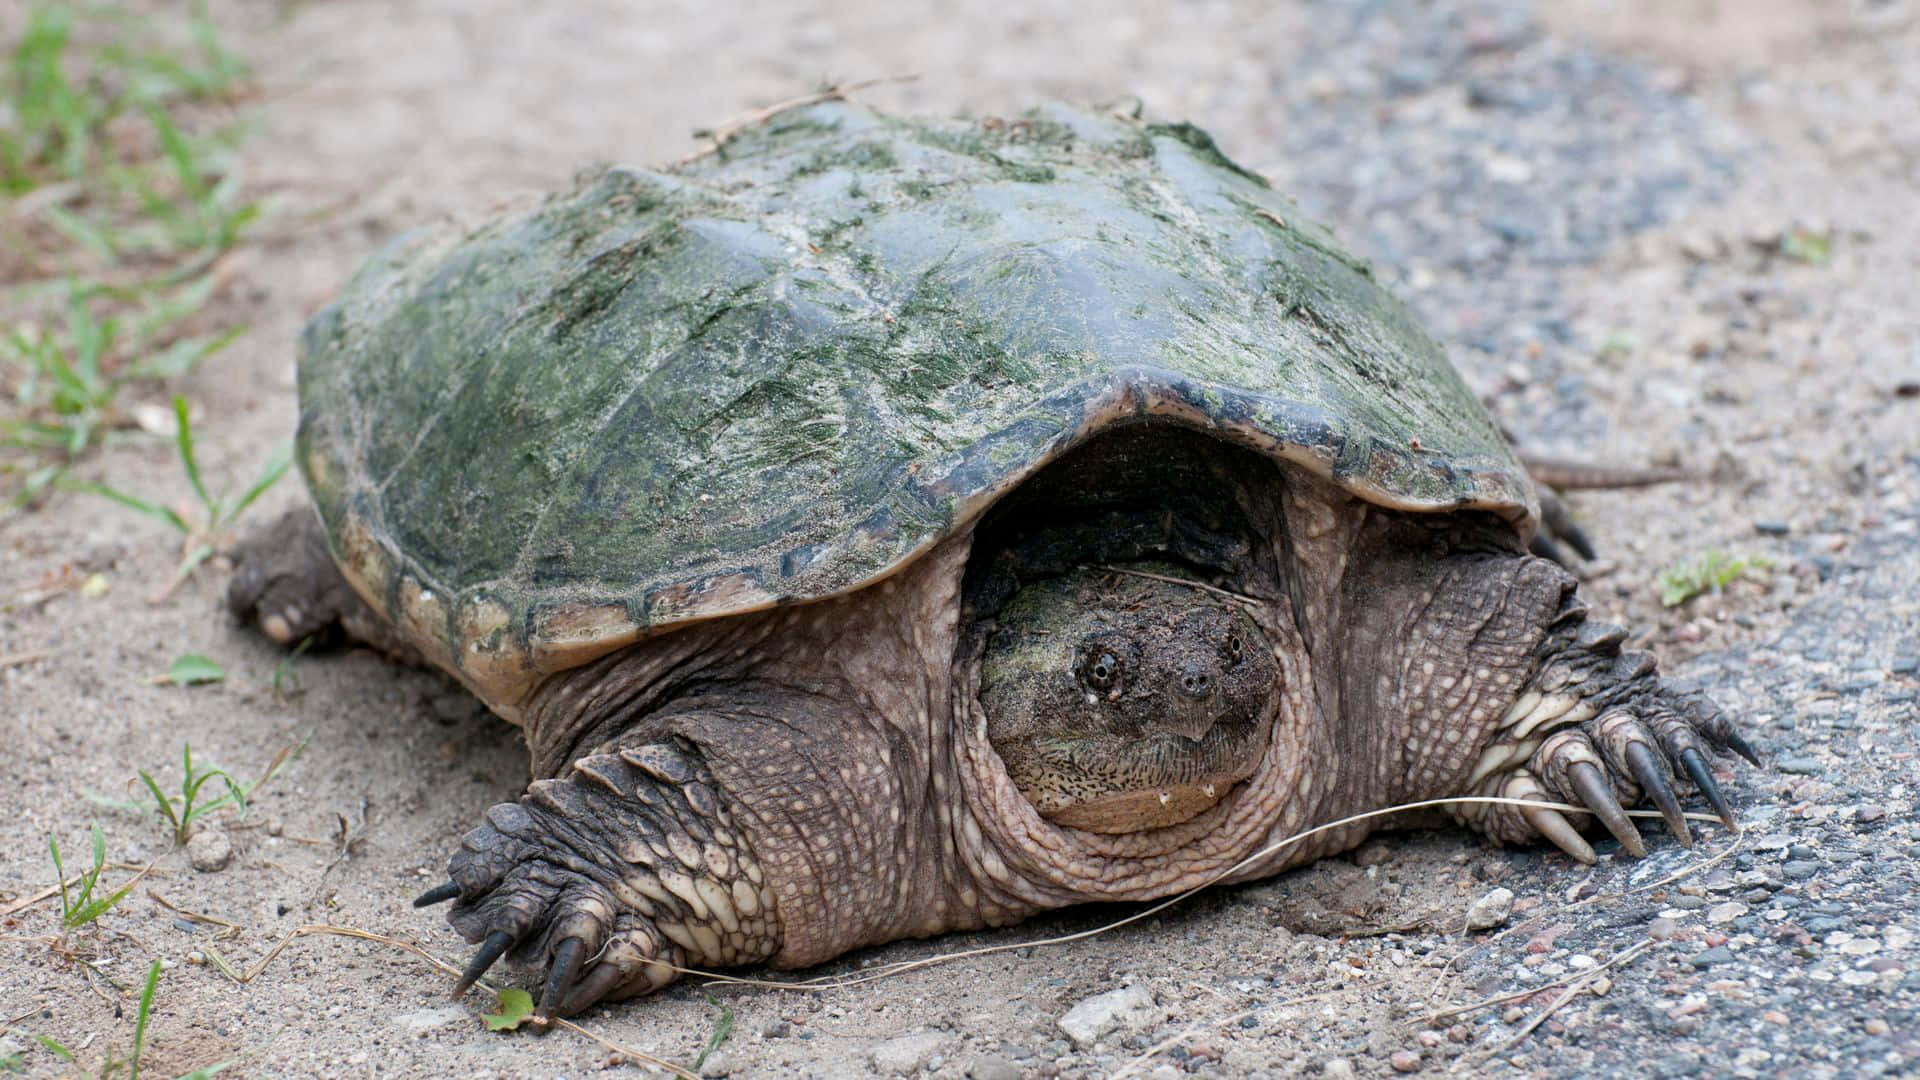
x=1190, y=707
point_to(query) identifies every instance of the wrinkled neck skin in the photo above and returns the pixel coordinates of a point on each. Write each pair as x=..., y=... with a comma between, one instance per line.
x=849, y=739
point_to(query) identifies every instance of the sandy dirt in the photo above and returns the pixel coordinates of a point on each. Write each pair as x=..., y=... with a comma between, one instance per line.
x=1681, y=336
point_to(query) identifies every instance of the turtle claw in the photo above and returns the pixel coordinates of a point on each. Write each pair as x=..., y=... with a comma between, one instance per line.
x=437, y=895
x=562, y=973
x=1696, y=765
x=1554, y=826
x=1598, y=796
x=1740, y=746
x=1653, y=780
x=497, y=943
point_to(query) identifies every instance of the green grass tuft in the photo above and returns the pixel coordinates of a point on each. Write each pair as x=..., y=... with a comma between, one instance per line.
x=1708, y=572
x=82, y=907
x=117, y=165
x=180, y=811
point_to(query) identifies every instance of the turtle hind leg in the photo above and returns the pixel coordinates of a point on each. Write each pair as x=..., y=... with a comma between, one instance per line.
x=1551, y=476
x=286, y=585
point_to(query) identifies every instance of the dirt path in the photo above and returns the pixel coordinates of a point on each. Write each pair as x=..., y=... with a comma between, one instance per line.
x=1589, y=212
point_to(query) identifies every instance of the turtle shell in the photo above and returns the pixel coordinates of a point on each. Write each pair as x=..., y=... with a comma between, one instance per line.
x=782, y=370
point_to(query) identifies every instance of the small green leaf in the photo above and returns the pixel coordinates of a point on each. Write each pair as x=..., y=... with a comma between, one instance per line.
x=515, y=1006
x=194, y=668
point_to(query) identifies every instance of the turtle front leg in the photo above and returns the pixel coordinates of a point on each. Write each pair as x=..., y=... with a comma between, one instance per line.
x=1596, y=727
x=285, y=583
x=1496, y=684
x=612, y=877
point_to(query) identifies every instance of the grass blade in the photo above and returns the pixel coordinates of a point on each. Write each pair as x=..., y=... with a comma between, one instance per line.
x=140, y=1024
x=183, y=438
x=159, y=513
x=276, y=467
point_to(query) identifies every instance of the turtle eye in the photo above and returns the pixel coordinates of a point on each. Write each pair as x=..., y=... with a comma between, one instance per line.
x=1235, y=648
x=1103, y=669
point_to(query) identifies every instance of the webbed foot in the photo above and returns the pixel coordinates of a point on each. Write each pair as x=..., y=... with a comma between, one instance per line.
x=611, y=878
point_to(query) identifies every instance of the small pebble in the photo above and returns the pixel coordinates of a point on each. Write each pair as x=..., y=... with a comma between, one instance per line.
x=1727, y=912
x=1800, y=869
x=209, y=850
x=1338, y=1069
x=905, y=1055
x=1717, y=955
x=1800, y=766
x=1772, y=528
x=992, y=1067
x=1405, y=1061
x=1491, y=910
x=1877, y=1026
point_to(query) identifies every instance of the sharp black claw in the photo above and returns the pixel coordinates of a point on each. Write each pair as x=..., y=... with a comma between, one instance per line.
x=1745, y=749
x=1577, y=540
x=1653, y=780
x=1696, y=765
x=1593, y=790
x=497, y=943
x=567, y=958
x=437, y=894
x=1547, y=549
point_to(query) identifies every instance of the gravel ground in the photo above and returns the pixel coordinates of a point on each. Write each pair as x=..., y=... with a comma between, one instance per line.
x=1607, y=212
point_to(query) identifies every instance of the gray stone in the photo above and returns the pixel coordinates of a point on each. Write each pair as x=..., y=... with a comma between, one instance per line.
x=1491, y=910
x=1129, y=1008
x=719, y=1063
x=209, y=850
x=1719, y=954
x=905, y=1055
x=992, y=1067
x=422, y=1021
x=1801, y=766
x=1338, y=1068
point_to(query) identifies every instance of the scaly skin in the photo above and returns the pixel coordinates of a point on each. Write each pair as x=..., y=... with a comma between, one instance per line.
x=789, y=785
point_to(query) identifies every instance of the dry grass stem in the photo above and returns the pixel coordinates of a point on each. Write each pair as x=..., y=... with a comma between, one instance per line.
x=28, y=657
x=227, y=929
x=1566, y=995
x=727, y=132
x=1170, y=579
x=1575, y=978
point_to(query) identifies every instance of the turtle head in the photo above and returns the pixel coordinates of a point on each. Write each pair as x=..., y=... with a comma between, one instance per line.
x=1121, y=702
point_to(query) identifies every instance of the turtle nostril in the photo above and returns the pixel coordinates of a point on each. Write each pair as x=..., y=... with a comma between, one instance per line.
x=1196, y=683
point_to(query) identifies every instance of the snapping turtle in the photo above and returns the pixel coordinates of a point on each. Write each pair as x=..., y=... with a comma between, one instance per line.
x=881, y=528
